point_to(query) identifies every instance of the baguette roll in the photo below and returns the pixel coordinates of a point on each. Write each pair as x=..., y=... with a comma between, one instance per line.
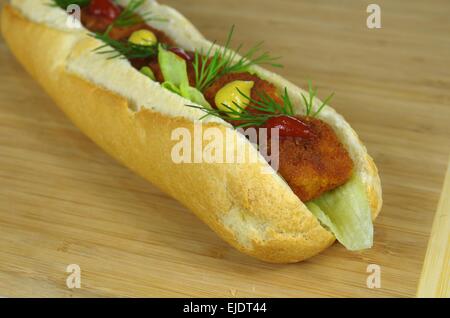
x=132, y=119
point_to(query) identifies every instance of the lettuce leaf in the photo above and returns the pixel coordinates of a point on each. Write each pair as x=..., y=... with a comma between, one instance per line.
x=171, y=87
x=345, y=211
x=194, y=95
x=172, y=67
x=147, y=71
x=176, y=77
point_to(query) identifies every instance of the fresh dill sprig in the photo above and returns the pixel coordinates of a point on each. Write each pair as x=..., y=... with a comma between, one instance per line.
x=123, y=49
x=309, y=102
x=216, y=63
x=129, y=16
x=126, y=49
x=63, y=4
x=265, y=106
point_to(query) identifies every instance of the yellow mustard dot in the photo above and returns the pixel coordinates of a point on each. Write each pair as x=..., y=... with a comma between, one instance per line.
x=143, y=37
x=232, y=95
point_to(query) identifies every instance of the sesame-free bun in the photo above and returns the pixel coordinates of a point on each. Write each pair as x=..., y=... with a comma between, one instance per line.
x=132, y=118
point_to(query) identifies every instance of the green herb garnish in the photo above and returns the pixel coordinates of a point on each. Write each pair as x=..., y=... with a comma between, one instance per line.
x=129, y=16
x=266, y=106
x=123, y=49
x=217, y=63
x=308, y=102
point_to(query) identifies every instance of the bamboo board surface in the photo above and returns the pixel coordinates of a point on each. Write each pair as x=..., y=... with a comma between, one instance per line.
x=63, y=201
x=435, y=278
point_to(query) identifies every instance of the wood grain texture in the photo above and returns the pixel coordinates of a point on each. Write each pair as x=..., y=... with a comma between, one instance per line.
x=63, y=201
x=435, y=278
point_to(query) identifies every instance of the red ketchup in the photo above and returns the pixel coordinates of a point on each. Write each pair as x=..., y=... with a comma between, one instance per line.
x=104, y=8
x=181, y=53
x=289, y=127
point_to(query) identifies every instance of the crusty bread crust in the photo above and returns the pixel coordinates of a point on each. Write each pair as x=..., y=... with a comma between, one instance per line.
x=256, y=213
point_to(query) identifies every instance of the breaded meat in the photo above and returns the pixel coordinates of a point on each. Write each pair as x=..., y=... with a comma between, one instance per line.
x=314, y=165
x=260, y=86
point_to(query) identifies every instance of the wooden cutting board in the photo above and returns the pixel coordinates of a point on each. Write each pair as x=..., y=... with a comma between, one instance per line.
x=63, y=201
